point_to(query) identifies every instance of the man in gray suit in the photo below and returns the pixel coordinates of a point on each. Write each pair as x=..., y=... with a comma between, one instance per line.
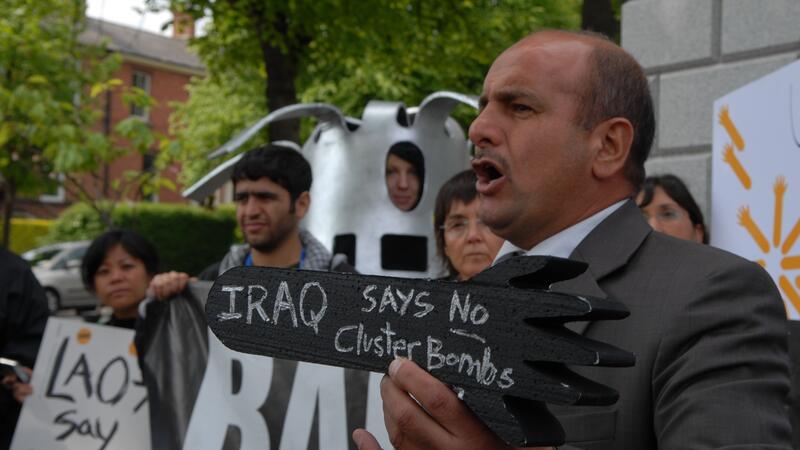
x=565, y=125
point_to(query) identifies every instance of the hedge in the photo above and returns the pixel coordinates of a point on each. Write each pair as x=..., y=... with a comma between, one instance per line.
x=26, y=233
x=188, y=238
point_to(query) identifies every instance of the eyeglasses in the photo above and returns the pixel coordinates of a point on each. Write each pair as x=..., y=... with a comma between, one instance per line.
x=665, y=215
x=457, y=228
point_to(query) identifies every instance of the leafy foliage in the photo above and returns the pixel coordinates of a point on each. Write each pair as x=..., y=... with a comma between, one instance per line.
x=51, y=86
x=27, y=233
x=43, y=115
x=217, y=108
x=76, y=223
x=201, y=238
x=345, y=53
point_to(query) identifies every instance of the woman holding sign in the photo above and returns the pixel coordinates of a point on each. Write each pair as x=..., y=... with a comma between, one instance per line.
x=463, y=242
x=118, y=267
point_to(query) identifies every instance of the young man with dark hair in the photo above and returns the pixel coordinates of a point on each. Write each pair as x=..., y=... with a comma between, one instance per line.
x=565, y=125
x=271, y=191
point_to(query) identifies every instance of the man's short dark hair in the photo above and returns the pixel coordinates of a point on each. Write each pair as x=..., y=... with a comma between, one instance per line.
x=132, y=242
x=461, y=187
x=675, y=188
x=616, y=86
x=282, y=165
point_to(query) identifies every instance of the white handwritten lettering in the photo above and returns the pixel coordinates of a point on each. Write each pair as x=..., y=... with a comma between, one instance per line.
x=251, y=305
x=315, y=318
x=484, y=370
x=426, y=307
x=405, y=299
x=372, y=301
x=339, y=347
x=232, y=314
x=387, y=299
x=387, y=343
x=478, y=316
x=284, y=301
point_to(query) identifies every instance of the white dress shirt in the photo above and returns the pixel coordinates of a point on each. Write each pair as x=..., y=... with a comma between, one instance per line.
x=563, y=243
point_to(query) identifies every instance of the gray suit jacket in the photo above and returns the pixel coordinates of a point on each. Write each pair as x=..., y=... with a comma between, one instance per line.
x=708, y=330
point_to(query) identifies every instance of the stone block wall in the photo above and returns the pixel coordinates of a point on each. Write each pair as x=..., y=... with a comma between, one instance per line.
x=695, y=51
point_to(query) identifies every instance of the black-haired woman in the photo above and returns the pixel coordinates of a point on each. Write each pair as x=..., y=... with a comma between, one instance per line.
x=670, y=208
x=118, y=267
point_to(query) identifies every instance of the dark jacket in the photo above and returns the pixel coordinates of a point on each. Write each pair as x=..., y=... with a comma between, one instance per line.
x=708, y=329
x=23, y=316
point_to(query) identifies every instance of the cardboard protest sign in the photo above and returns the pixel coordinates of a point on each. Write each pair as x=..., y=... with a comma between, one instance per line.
x=469, y=335
x=87, y=391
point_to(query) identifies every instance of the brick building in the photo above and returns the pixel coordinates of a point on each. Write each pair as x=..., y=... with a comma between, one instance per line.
x=160, y=65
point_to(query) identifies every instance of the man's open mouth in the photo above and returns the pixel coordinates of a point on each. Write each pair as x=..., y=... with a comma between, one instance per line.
x=489, y=173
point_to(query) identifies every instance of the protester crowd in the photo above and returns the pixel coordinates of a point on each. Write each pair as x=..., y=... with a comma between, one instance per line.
x=564, y=128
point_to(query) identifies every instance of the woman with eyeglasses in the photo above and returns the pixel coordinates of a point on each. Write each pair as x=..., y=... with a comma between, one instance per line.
x=463, y=242
x=669, y=207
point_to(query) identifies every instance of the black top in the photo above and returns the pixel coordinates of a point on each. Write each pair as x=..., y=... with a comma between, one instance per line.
x=23, y=316
x=122, y=323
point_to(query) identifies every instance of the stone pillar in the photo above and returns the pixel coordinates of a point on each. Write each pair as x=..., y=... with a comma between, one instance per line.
x=695, y=51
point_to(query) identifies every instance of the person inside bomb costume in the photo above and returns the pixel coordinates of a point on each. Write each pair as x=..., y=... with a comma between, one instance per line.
x=271, y=186
x=353, y=212
x=405, y=173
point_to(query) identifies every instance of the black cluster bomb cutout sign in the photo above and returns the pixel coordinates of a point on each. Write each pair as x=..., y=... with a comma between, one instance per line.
x=499, y=339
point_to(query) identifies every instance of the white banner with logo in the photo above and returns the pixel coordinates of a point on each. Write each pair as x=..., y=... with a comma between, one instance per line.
x=87, y=391
x=755, y=189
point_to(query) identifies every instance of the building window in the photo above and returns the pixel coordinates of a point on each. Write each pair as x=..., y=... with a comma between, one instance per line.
x=141, y=80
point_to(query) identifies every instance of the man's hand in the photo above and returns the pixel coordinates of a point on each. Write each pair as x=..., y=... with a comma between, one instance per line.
x=18, y=389
x=168, y=284
x=437, y=419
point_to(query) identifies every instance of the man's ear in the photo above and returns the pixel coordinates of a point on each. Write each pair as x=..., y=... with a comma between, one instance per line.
x=612, y=141
x=301, y=205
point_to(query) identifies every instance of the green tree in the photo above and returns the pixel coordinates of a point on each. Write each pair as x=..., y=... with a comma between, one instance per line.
x=218, y=107
x=602, y=16
x=343, y=52
x=50, y=103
